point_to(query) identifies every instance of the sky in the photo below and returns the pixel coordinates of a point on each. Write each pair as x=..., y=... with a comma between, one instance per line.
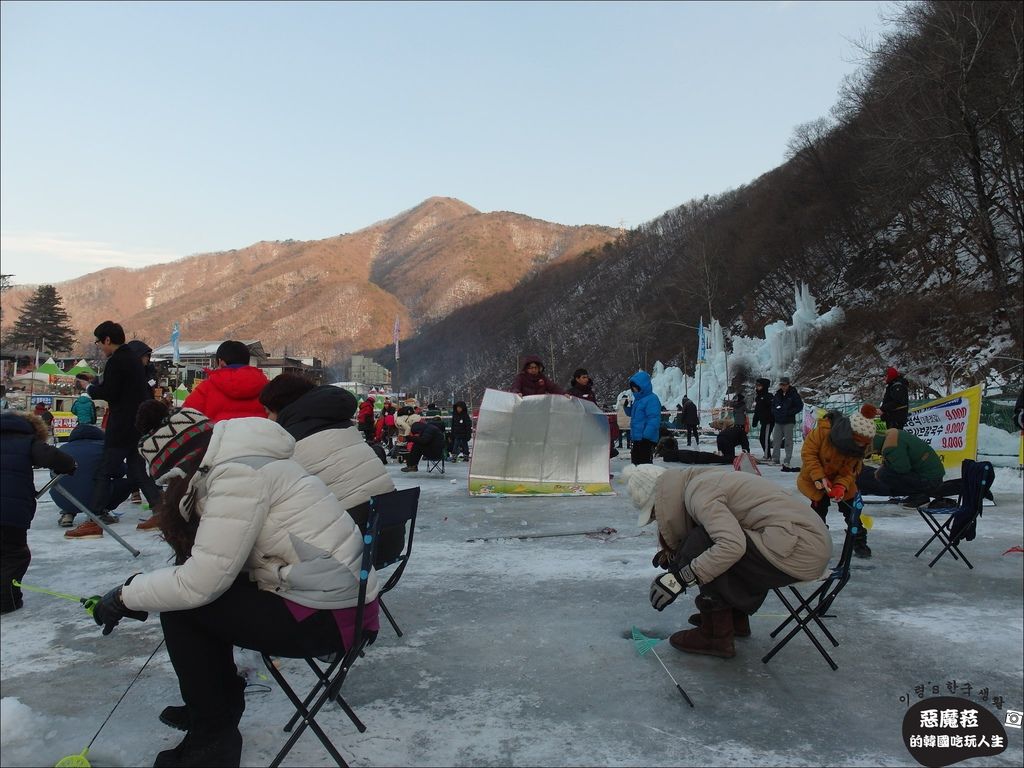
x=138, y=133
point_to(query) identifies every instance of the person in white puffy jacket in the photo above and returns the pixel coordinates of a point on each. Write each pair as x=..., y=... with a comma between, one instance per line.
x=328, y=444
x=266, y=559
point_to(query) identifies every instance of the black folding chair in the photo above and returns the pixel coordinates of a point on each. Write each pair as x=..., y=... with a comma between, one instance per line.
x=433, y=464
x=815, y=606
x=386, y=511
x=962, y=521
x=395, y=547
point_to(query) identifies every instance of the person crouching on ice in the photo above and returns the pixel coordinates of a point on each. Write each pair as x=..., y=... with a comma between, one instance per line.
x=732, y=536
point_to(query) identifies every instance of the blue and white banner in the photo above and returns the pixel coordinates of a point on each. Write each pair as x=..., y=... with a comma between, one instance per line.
x=175, y=336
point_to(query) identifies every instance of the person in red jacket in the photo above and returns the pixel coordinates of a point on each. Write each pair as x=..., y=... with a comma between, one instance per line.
x=232, y=389
x=365, y=419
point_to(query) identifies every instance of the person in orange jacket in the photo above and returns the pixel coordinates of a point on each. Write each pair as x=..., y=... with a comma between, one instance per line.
x=832, y=457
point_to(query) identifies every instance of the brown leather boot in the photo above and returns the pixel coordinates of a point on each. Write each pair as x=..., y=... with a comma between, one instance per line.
x=740, y=622
x=714, y=636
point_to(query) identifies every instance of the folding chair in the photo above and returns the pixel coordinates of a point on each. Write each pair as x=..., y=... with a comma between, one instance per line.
x=961, y=523
x=395, y=547
x=437, y=464
x=815, y=606
x=386, y=512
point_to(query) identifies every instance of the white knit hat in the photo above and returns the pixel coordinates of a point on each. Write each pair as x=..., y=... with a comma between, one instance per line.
x=863, y=423
x=642, y=480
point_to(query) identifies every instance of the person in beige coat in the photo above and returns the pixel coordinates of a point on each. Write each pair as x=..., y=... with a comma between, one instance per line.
x=731, y=535
x=265, y=558
x=404, y=420
x=622, y=420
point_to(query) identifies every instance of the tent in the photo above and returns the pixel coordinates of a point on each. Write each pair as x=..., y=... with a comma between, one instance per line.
x=180, y=394
x=39, y=376
x=50, y=367
x=82, y=367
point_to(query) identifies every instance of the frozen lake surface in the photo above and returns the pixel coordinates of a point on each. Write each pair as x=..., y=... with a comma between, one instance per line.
x=516, y=652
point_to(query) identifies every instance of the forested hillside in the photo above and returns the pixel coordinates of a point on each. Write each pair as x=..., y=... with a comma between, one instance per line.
x=904, y=206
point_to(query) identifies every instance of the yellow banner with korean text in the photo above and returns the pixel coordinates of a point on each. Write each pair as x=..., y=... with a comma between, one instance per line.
x=949, y=425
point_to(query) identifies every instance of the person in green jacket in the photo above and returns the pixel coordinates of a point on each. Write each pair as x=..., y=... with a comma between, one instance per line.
x=84, y=409
x=910, y=467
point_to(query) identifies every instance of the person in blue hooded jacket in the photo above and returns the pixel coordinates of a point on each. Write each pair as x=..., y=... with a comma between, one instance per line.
x=644, y=418
x=85, y=446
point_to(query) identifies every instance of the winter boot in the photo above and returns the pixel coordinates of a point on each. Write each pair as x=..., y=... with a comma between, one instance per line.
x=860, y=544
x=176, y=716
x=740, y=622
x=204, y=747
x=714, y=636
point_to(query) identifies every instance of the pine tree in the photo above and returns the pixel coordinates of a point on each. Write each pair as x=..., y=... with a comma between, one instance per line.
x=43, y=321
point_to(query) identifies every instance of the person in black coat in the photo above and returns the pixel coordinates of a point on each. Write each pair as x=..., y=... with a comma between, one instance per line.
x=23, y=445
x=763, y=413
x=691, y=420
x=731, y=437
x=896, y=400
x=787, y=405
x=125, y=388
x=427, y=440
x=581, y=386
x=462, y=431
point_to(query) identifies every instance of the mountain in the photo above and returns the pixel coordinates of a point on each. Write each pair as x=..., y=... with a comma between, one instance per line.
x=327, y=298
x=903, y=208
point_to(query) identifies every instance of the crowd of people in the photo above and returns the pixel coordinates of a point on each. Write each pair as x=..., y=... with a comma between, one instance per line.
x=261, y=490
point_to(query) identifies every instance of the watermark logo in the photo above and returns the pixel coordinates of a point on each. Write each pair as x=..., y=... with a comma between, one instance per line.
x=1013, y=718
x=944, y=730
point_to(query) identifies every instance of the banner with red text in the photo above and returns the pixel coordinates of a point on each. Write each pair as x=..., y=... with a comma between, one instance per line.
x=949, y=425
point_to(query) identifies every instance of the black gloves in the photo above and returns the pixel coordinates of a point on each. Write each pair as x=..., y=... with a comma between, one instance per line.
x=108, y=610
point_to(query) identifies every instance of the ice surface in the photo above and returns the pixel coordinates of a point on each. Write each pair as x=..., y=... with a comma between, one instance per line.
x=516, y=652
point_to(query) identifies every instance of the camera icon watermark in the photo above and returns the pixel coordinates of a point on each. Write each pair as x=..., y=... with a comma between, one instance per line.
x=1013, y=718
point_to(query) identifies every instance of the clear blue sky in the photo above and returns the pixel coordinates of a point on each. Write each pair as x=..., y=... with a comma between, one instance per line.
x=133, y=133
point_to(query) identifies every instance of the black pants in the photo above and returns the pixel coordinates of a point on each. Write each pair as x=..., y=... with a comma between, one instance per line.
x=691, y=434
x=896, y=419
x=746, y=583
x=119, y=460
x=821, y=507
x=642, y=452
x=417, y=453
x=765, y=437
x=889, y=483
x=200, y=643
x=460, y=445
x=14, y=559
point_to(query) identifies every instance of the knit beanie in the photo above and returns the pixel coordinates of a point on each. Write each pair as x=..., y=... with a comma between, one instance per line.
x=863, y=424
x=890, y=374
x=177, y=444
x=642, y=481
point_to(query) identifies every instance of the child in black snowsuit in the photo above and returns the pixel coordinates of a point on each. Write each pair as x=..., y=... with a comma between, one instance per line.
x=23, y=445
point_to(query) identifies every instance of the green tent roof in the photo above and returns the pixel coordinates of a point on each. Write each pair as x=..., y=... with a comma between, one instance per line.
x=51, y=368
x=81, y=367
